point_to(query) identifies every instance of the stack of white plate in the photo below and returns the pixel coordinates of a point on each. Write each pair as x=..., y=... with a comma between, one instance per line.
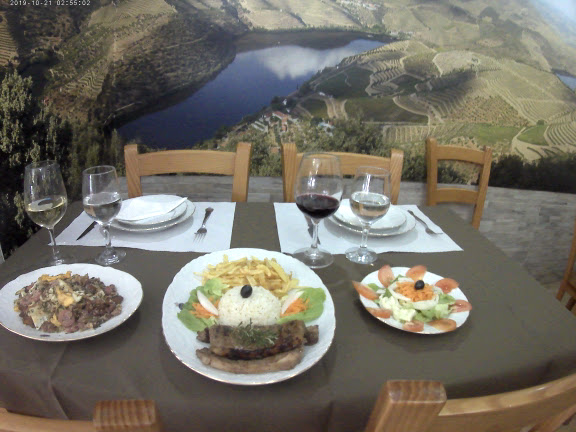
x=397, y=221
x=153, y=213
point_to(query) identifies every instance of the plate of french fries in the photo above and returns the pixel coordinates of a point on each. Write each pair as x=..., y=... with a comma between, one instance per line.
x=274, y=271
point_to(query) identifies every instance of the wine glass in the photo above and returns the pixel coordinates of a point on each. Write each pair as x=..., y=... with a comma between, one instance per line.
x=369, y=201
x=318, y=193
x=102, y=202
x=45, y=200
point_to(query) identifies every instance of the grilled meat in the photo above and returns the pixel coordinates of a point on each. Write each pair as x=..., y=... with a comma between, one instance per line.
x=256, y=342
x=278, y=362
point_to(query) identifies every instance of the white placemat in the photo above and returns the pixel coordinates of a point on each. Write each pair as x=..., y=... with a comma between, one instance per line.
x=179, y=238
x=293, y=235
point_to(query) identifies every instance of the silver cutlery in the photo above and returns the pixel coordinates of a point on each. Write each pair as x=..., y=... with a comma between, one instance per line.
x=201, y=233
x=428, y=229
x=87, y=230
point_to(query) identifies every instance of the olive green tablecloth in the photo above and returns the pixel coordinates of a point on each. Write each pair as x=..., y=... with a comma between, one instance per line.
x=517, y=335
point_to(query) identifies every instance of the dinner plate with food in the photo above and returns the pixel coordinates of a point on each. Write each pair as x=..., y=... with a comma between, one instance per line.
x=248, y=316
x=68, y=302
x=414, y=299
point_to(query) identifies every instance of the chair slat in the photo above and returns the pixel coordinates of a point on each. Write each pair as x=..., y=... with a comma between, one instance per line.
x=349, y=162
x=236, y=164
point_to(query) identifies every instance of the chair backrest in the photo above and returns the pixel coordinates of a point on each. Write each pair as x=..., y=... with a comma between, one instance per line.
x=435, y=194
x=568, y=284
x=189, y=161
x=349, y=163
x=422, y=406
x=109, y=416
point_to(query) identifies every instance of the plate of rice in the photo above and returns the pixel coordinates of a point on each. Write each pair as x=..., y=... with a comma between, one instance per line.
x=183, y=342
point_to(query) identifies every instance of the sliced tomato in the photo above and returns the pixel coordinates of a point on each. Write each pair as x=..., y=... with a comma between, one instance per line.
x=385, y=275
x=380, y=313
x=447, y=285
x=444, y=324
x=416, y=273
x=413, y=326
x=460, y=306
x=365, y=291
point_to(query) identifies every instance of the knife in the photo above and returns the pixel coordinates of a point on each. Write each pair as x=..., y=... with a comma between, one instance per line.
x=87, y=230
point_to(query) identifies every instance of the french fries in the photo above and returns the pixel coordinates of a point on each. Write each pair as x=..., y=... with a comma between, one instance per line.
x=266, y=273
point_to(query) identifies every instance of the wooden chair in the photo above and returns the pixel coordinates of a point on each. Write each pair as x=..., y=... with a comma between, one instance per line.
x=349, y=162
x=422, y=406
x=189, y=161
x=435, y=194
x=568, y=284
x=109, y=416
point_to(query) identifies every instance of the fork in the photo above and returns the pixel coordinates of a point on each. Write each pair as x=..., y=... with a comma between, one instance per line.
x=428, y=230
x=201, y=233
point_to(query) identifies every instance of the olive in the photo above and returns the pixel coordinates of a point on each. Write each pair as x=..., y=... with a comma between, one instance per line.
x=419, y=285
x=246, y=291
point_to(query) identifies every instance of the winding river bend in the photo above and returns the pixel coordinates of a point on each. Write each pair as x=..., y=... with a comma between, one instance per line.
x=244, y=87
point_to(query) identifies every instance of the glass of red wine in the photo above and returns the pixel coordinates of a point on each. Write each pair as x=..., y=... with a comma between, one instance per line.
x=318, y=192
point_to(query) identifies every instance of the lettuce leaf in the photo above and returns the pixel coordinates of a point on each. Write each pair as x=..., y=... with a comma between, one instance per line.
x=315, y=297
x=213, y=289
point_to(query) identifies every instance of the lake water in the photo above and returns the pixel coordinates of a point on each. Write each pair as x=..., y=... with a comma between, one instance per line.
x=568, y=80
x=248, y=84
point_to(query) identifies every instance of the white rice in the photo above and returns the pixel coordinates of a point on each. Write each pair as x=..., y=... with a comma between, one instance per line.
x=261, y=308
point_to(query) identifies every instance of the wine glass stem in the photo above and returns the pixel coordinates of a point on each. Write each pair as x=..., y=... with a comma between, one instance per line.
x=107, y=236
x=364, y=242
x=314, y=245
x=55, y=250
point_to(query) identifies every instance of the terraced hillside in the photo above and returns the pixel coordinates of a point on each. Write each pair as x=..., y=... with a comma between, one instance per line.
x=458, y=96
x=8, y=47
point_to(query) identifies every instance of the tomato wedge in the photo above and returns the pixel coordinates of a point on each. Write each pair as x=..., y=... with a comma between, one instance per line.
x=379, y=312
x=444, y=324
x=413, y=326
x=365, y=291
x=385, y=275
x=460, y=306
x=447, y=285
x=416, y=273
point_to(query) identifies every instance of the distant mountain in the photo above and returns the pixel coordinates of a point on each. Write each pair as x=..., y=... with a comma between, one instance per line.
x=115, y=57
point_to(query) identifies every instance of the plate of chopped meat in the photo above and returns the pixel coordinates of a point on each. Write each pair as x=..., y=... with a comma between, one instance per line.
x=248, y=316
x=68, y=302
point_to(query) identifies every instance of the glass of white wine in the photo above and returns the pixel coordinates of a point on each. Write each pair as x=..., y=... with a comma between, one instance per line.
x=102, y=202
x=46, y=201
x=369, y=201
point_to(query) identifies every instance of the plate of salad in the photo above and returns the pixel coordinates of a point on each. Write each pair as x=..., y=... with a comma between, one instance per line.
x=414, y=299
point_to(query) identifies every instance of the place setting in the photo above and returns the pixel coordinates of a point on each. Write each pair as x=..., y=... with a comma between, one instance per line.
x=151, y=222
x=361, y=226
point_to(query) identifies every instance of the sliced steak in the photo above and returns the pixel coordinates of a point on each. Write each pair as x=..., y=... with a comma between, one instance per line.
x=312, y=335
x=283, y=361
x=234, y=343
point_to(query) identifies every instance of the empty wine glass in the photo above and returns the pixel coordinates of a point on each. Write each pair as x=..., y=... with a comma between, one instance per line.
x=46, y=201
x=102, y=202
x=369, y=201
x=318, y=193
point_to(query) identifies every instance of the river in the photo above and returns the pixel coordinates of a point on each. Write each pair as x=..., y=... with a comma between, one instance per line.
x=244, y=87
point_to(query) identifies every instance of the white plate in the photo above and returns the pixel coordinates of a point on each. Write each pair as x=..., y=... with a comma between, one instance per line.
x=392, y=220
x=154, y=205
x=183, y=342
x=408, y=225
x=126, y=285
x=189, y=211
x=429, y=278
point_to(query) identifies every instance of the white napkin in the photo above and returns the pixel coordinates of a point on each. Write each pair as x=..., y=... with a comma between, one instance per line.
x=293, y=235
x=178, y=238
x=148, y=206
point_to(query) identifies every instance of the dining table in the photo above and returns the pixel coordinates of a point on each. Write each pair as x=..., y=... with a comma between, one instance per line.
x=517, y=335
